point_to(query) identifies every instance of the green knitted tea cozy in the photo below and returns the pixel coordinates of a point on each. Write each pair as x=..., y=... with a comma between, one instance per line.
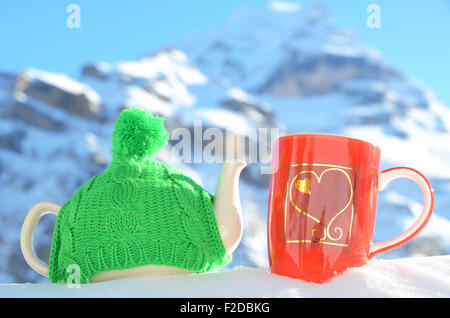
x=136, y=212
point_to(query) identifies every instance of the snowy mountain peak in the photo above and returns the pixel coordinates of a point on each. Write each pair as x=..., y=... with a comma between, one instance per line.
x=257, y=43
x=284, y=6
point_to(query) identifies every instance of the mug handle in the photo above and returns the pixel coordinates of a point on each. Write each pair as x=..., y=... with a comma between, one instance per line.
x=26, y=237
x=389, y=175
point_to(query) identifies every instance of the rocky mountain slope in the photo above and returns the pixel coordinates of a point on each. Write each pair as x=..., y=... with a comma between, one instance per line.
x=293, y=69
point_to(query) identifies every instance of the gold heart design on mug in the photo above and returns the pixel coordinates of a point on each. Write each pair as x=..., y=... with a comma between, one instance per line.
x=302, y=183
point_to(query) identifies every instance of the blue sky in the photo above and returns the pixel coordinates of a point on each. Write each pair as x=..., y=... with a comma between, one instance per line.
x=414, y=34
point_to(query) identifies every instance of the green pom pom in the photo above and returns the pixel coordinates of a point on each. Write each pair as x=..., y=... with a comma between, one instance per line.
x=138, y=134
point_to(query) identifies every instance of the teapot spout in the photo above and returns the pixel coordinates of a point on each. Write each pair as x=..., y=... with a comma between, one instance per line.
x=227, y=205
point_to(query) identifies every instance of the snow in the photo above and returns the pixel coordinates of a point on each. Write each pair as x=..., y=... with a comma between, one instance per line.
x=168, y=72
x=219, y=118
x=64, y=82
x=240, y=95
x=401, y=152
x=407, y=277
x=171, y=63
x=139, y=97
x=284, y=6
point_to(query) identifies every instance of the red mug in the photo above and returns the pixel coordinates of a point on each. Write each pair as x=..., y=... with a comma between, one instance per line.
x=322, y=205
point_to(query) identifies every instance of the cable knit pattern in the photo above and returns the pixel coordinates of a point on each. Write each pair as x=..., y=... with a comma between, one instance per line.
x=135, y=214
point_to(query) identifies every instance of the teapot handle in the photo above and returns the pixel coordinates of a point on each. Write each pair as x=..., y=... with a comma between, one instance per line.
x=26, y=237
